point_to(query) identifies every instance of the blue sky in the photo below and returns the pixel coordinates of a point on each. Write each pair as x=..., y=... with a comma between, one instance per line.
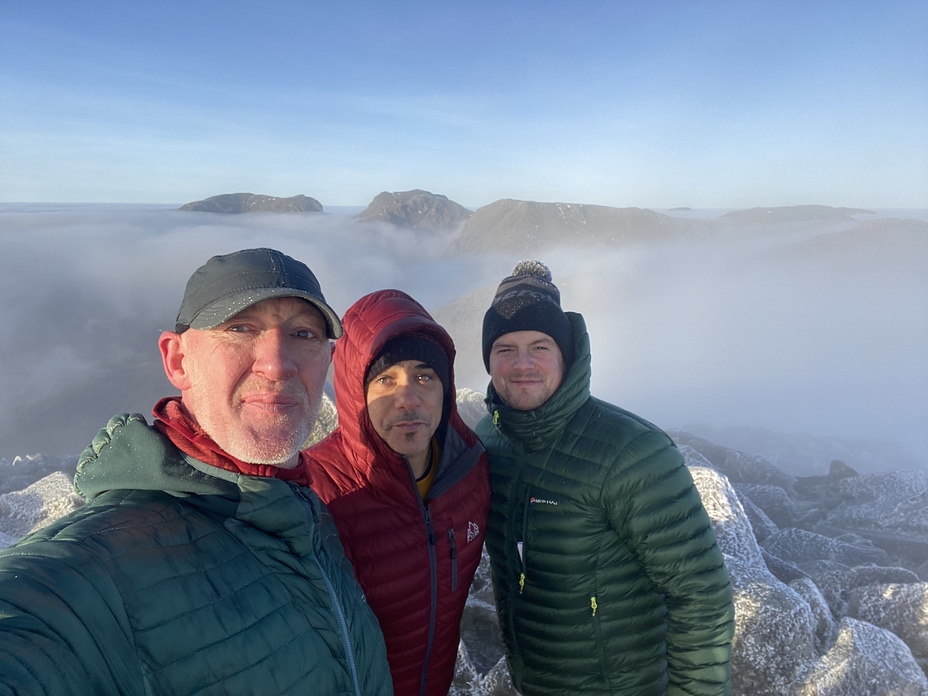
x=651, y=104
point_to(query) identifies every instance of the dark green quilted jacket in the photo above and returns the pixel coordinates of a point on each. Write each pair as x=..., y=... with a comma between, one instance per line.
x=607, y=575
x=180, y=578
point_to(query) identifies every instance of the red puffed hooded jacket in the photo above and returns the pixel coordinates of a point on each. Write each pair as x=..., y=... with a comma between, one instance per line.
x=414, y=558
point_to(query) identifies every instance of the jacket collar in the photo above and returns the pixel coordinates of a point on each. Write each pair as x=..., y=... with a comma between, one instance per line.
x=128, y=454
x=174, y=423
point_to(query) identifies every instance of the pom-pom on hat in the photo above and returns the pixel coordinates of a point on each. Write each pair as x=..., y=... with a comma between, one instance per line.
x=528, y=300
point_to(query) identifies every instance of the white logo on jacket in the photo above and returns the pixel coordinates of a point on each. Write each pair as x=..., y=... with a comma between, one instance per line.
x=473, y=531
x=542, y=501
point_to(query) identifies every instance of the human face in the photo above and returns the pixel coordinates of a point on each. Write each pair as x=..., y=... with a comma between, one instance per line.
x=526, y=368
x=404, y=403
x=254, y=383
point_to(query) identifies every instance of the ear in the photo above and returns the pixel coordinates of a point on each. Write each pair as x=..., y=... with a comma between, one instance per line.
x=171, y=345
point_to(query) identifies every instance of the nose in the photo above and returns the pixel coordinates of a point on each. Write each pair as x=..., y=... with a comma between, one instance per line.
x=523, y=359
x=405, y=395
x=273, y=357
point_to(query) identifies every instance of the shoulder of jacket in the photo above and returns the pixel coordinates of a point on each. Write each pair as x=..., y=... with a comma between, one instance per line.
x=612, y=416
x=106, y=434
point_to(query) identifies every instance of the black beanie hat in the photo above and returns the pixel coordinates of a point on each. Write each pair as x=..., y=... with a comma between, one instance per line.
x=528, y=301
x=411, y=347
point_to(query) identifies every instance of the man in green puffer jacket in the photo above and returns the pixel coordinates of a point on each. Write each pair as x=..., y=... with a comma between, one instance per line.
x=202, y=563
x=607, y=575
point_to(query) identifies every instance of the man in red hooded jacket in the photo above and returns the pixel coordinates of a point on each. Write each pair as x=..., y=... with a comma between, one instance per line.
x=406, y=481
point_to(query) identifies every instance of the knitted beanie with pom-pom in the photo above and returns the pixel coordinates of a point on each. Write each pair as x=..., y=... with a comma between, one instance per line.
x=528, y=300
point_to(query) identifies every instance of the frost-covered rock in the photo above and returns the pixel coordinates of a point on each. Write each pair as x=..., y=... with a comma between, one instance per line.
x=902, y=609
x=863, y=661
x=805, y=548
x=775, y=502
x=471, y=406
x=326, y=421
x=838, y=585
x=22, y=512
x=762, y=525
x=889, y=509
x=774, y=627
x=739, y=467
x=20, y=472
x=825, y=628
x=784, y=643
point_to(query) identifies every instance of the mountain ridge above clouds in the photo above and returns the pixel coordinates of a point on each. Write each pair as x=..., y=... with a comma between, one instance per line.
x=526, y=226
x=673, y=303
x=237, y=203
x=416, y=209
x=793, y=213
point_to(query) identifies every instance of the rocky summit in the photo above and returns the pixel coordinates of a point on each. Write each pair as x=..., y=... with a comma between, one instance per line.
x=524, y=226
x=830, y=573
x=234, y=203
x=416, y=209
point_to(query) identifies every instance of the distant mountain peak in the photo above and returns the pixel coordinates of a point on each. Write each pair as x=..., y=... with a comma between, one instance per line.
x=234, y=203
x=524, y=226
x=794, y=213
x=416, y=209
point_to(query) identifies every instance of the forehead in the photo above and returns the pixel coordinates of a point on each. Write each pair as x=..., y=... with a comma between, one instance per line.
x=524, y=338
x=408, y=365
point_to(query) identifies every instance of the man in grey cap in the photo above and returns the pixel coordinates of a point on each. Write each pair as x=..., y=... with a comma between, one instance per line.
x=202, y=562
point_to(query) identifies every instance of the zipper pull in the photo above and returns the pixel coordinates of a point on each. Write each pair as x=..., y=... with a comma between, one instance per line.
x=594, y=605
x=496, y=418
x=429, y=531
x=521, y=582
x=454, y=560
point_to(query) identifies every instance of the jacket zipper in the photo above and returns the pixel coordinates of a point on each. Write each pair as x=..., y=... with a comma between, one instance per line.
x=336, y=605
x=454, y=561
x=433, y=595
x=521, y=544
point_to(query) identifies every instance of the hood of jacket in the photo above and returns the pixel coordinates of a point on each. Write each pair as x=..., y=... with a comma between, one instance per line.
x=539, y=427
x=129, y=454
x=369, y=323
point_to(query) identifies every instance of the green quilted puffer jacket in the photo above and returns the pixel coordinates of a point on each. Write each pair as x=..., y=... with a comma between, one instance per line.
x=181, y=578
x=607, y=575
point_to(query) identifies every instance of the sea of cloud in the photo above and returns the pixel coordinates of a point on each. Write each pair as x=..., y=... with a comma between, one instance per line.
x=788, y=334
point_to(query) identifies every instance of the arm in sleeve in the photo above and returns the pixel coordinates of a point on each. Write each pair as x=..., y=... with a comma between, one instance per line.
x=62, y=626
x=651, y=497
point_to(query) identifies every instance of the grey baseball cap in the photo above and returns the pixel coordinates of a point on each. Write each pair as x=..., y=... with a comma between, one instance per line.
x=227, y=284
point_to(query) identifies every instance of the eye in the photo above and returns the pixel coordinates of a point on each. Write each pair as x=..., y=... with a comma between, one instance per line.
x=305, y=334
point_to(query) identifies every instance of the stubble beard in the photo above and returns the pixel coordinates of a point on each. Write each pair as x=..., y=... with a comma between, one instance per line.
x=269, y=447
x=269, y=442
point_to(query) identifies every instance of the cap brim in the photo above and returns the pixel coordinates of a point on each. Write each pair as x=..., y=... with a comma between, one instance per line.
x=222, y=310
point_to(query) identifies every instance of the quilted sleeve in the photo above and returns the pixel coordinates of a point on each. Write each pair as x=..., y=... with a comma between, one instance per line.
x=651, y=499
x=62, y=629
